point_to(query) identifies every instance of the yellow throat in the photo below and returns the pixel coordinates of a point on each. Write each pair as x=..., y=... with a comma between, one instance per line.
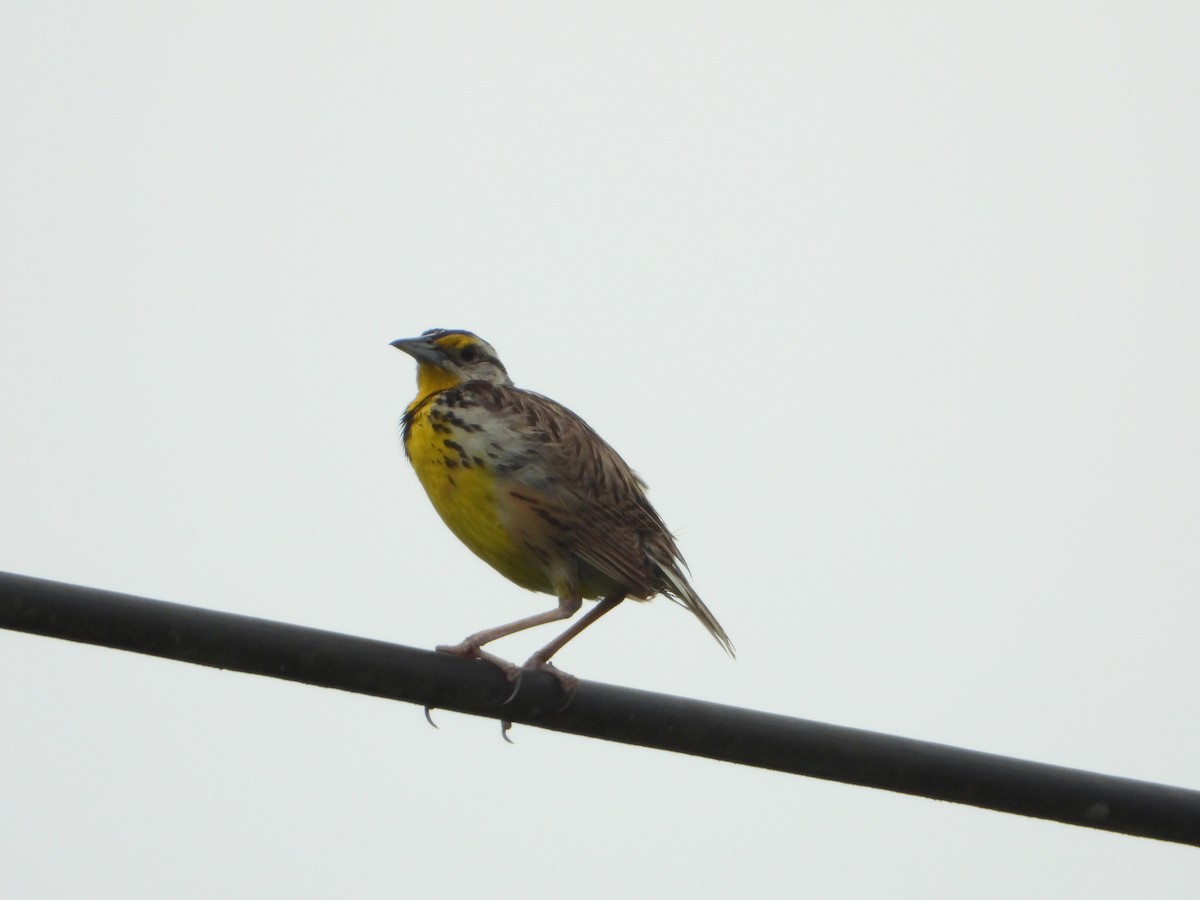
x=462, y=487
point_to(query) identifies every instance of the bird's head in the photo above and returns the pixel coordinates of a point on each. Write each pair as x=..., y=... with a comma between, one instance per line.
x=447, y=358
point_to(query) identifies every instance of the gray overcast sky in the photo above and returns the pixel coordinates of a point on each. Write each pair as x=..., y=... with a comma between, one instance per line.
x=895, y=306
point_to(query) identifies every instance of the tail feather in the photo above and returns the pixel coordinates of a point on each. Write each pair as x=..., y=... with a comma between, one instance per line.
x=682, y=593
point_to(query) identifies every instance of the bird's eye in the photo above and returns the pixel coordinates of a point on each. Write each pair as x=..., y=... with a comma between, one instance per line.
x=469, y=354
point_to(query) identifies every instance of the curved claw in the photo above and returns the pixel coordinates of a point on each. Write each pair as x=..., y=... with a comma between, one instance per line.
x=570, y=699
x=516, y=690
x=504, y=727
x=429, y=718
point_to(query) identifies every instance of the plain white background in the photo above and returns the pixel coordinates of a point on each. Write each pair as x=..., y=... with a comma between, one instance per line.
x=894, y=305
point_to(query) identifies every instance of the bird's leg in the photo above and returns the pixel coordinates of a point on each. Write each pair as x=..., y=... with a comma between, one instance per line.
x=471, y=647
x=540, y=661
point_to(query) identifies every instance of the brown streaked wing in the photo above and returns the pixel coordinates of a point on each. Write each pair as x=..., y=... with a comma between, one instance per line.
x=610, y=523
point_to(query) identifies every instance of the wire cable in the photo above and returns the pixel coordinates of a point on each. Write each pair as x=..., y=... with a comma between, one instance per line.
x=732, y=734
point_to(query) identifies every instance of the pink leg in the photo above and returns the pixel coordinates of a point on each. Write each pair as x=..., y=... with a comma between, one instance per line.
x=470, y=648
x=540, y=661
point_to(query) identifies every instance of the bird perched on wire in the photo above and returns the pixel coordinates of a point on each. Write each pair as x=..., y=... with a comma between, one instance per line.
x=532, y=490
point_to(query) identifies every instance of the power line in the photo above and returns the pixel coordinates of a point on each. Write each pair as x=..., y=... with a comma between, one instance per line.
x=732, y=734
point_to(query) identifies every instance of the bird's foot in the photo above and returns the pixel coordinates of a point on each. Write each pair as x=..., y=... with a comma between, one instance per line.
x=568, y=682
x=468, y=649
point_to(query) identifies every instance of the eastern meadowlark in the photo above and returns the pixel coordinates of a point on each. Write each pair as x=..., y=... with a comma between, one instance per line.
x=532, y=490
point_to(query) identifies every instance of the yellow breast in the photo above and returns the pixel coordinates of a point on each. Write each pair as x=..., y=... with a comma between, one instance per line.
x=463, y=490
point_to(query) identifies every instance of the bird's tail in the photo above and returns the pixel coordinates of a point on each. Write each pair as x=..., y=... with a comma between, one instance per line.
x=682, y=593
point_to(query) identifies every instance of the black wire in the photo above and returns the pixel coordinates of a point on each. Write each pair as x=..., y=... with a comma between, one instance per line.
x=324, y=658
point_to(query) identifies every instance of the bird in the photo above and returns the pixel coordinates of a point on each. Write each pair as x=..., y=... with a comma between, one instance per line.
x=532, y=490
